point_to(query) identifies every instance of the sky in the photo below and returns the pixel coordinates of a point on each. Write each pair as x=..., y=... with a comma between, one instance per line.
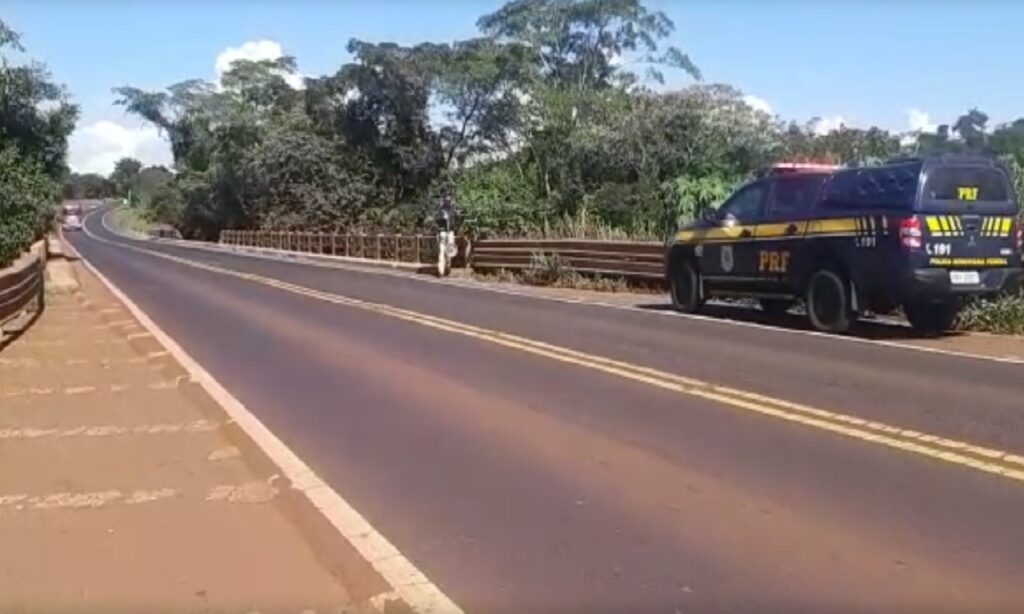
x=899, y=64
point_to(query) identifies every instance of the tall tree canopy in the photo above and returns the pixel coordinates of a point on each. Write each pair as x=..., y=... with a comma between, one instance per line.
x=36, y=118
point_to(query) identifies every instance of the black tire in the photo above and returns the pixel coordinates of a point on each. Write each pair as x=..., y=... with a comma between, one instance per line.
x=775, y=306
x=828, y=302
x=932, y=317
x=685, y=287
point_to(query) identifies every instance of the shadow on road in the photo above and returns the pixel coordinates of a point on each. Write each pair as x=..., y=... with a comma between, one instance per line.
x=875, y=329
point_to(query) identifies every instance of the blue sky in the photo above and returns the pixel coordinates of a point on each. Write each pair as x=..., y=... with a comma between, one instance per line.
x=862, y=63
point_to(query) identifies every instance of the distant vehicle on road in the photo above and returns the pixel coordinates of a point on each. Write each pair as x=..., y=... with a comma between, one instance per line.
x=921, y=234
x=71, y=216
x=72, y=222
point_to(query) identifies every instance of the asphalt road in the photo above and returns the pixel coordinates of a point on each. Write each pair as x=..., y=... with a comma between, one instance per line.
x=524, y=479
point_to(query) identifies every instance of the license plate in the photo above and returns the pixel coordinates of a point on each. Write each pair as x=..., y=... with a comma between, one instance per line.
x=965, y=277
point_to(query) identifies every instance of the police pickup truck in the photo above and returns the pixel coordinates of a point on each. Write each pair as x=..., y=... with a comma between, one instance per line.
x=921, y=234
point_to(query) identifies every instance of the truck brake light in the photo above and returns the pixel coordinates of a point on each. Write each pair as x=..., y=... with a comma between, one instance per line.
x=910, y=233
x=1020, y=236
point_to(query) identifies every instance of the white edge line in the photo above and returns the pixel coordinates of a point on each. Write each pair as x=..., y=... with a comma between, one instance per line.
x=411, y=585
x=389, y=271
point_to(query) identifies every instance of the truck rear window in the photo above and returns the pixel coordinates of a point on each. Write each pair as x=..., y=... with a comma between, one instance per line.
x=885, y=187
x=967, y=184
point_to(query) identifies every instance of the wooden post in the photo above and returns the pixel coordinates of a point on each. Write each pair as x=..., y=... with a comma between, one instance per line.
x=379, y=237
x=398, y=247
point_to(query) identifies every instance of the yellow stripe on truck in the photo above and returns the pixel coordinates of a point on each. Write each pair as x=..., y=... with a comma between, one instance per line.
x=1007, y=226
x=714, y=234
x=781, y=229
x=933, y=226
x=835, y=226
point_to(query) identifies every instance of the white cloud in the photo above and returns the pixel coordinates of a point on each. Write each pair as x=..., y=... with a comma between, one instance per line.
x=920, y=121
x=824, y=125
x=263, y=49
x=95, y=147
x=758, y=104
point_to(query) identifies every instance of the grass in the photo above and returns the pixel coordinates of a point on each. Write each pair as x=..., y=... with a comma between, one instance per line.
x=552, y=271
x=1004, y=316
x=129, y=219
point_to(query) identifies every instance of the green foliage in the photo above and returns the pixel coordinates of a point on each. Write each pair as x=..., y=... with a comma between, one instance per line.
x=297, y=180
x=88, y=185
x=27, y=195
x=1004, y=315
x=126, y=171
x=547, y=269
x=35, y=121
x=688, y=197
x=543, y=123
x=165, y=205
x=496, y=201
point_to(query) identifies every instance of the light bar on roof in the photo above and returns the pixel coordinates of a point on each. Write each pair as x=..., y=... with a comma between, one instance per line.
x=804, y=166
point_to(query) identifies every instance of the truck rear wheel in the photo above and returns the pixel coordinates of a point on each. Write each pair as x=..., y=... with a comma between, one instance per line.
x=932, y=317
x=828, y=302
x=685, y=287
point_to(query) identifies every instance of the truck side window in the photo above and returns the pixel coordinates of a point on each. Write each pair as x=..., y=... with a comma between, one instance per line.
x=793, y=197
x=746, y=205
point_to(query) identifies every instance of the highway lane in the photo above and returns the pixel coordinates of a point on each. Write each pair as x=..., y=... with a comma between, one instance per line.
x=520, y=483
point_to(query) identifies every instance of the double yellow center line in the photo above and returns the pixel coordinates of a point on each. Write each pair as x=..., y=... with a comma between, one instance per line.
x=988, y=460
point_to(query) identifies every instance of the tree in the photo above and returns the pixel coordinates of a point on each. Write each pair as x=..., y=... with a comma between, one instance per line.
x=297, y=179
x=378, y=105
x=88, y=185
x=844, y=145
x=971, y=129
x=149, y=181
x=36, y=119
x=481, y=84
x=581, y=44
x=126, y=171
x=1008, y=140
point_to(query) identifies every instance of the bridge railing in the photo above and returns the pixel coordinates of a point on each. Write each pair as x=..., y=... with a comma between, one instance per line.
x=632, y=260
x=415, y=249
x=21, y=285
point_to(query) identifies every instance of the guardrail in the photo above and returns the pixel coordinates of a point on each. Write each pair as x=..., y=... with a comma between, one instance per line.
x=21, y=285
x=416, y=249
x=632, y=260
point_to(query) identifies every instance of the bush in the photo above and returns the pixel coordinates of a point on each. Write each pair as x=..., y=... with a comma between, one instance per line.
x=1004, y=315
x=27, y=195
x=547, y=270
x=495, y=201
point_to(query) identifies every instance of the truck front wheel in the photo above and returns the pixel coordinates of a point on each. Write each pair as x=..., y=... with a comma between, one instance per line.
x=828, y=302
x=685, y=287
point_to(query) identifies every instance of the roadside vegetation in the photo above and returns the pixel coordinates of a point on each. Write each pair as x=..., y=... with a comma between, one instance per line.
x=36, y=119
x=1004, y=316
x=129, y=220
x=555, y=120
